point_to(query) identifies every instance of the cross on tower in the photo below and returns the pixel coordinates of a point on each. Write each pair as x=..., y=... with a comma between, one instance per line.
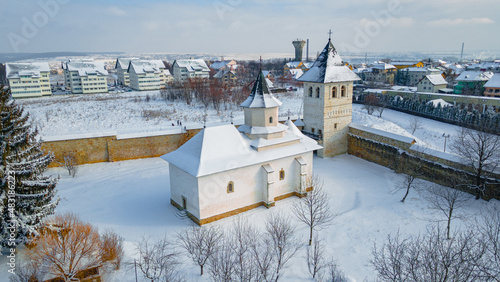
x=260, y=64
x=330, y=35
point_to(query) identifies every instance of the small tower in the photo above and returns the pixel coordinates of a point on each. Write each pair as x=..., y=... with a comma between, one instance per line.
x=261, y=112
x=299, y=46
x=328, y=101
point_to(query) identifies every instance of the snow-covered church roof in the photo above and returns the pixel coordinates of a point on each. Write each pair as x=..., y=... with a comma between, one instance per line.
x=261, y=96
x=221, y=148
x=329, y=67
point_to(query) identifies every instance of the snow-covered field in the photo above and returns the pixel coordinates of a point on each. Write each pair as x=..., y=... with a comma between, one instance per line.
x=132, y=197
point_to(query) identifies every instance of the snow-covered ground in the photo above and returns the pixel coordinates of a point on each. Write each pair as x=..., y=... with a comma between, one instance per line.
x=131, y=112
x=132, y=197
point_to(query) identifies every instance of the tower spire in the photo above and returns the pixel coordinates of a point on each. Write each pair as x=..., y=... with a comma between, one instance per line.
x=330, y=35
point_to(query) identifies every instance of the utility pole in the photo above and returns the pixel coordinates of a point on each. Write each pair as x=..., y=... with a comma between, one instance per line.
x=445, y=137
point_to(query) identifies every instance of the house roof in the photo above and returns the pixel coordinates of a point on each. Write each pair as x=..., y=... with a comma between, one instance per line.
x=494, y=81
x=409, y=63
x=15, y=70
x=295, y=73
x=220, y=64
x=474, y=76
x=222, y=73
x=192, y=65
x=221, y=148
x=141, y=67
x=436, y=79
x=293, y=64
x=86, y=67
x=383, y=66
x=261, y=96
x=329, y=67
x=123, y=63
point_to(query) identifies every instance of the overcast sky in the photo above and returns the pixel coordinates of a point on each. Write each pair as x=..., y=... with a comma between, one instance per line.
x=247, y=26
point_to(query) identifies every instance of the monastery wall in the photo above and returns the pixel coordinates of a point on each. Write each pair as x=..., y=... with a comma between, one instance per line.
x=112, y=147
x=393, y=151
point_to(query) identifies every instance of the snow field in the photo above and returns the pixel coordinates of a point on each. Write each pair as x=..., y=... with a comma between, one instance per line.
x=133, y=198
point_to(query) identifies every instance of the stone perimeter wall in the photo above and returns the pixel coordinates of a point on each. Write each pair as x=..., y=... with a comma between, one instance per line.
x=113, y=148
x=392, y=153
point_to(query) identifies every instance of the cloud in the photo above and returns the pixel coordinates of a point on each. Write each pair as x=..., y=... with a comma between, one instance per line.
x=117, y=11
x=461, y=21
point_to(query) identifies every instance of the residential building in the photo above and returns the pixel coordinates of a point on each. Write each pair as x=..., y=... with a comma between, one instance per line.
x=28, y=79
x=268, y=74
x=224, y=65
x=146, y=75
x=121, y=67
x=492, y=87
x=189, y=69
x=328, y=92
x=304, y=66
x=432, y=83
x=256, y=164
x=411, y=76
x=226, y=77
x=472, y=82
x=85, y=76
x=380, y=72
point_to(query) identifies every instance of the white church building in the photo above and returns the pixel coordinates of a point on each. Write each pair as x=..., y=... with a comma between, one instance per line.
x=225, y=170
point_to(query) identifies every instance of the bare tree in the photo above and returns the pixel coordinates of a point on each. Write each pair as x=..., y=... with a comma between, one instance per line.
x=70, y=162
x=411, y=172
x=242, y=236
x=415, y=124
x=222, y=263
x=28, y=271
x=489, y=228
x=284, y=245
x=481, y=152
x=263, y=257
x=66, y=246
x=158, y=260
x=334, y=274
x=447, y=201
x=112, y=248
x=315, y=256
x=314, y=209
x=370, y=103
x=200, y=243
x=430, y=257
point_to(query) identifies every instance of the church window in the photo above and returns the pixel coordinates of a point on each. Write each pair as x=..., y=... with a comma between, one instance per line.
x=312, y=130
x=230, y=187
x=270, y=119
x=310, y=91
x=334, y=92
x=335, y=125
x=343, y=91
x=282, y=174
x=317, y=92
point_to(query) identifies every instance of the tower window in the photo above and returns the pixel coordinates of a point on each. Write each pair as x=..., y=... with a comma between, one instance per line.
x=317, y=92
x=230, y=187
x=334, y=92
x=335, y=125
x=282, y=174
x=270, y=119
x=310, y=91
x=312, y=130
x=343, y=91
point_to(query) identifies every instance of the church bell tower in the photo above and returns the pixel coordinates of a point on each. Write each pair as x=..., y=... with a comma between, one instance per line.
x=328, y=90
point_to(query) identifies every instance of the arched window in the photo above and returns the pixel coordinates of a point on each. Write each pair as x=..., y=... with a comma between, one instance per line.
x=334, y=92
x=317, y=92
x=270, y=119
x=343, y=91
x=282, y=174
x=310, y=91
x=230, y=187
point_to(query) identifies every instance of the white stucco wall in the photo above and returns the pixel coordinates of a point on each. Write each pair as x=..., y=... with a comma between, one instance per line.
x=184, y=185
x=250, y=185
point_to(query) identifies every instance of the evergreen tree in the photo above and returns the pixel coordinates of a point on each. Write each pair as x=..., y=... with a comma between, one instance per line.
x=26, y=196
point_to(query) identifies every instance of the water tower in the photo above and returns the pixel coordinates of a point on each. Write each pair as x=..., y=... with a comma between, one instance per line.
x=299, y=45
